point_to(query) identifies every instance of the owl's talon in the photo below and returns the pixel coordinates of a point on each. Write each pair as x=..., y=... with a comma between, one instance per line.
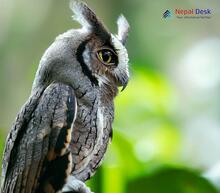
x=75, y=186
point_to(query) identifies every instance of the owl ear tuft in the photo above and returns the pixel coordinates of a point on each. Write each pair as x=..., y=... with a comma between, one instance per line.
x=87, y=18
x=123, y=29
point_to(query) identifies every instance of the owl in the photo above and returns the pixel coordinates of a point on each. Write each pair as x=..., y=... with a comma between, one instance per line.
x=61, y=134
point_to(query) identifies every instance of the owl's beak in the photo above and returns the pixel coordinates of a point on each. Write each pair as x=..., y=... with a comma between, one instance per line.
x=124, y=86
x=123, y=82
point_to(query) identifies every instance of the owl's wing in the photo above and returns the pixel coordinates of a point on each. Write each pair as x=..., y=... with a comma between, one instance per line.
x=36, y=156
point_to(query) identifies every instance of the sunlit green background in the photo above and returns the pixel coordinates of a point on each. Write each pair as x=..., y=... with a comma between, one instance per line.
x=167, y=125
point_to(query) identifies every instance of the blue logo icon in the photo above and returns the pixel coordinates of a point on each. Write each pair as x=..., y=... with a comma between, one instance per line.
x=167, y=14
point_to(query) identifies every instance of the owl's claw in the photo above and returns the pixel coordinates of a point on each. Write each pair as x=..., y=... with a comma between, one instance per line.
x=75, y=186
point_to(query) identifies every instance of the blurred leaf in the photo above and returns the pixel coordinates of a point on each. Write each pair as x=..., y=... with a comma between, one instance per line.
x=170, y=180
x=152, y=95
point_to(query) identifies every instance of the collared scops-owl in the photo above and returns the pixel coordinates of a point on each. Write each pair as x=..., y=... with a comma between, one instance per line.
x=61, y=134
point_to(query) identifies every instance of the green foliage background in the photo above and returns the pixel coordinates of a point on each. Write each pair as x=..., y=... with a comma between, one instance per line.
x=146, y=154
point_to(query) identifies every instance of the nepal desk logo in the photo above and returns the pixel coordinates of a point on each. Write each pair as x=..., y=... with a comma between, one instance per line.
x=167, y=14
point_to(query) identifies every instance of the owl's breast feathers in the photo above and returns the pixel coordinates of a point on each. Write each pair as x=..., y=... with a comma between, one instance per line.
x=53, y=136
x=92, y=132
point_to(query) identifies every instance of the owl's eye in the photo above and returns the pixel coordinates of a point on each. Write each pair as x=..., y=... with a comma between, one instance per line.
x=107, y=56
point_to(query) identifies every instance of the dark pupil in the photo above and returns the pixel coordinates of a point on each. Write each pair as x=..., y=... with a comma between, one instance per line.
x=106, y=55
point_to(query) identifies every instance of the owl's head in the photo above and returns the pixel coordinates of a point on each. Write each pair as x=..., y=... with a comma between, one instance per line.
x=102, y=52
x=101, y=57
